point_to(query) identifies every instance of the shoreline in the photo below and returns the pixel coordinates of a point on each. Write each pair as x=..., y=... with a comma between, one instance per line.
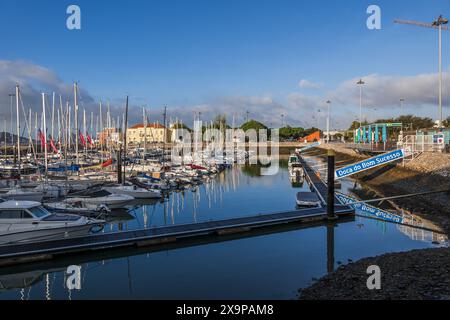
x=416, y=274
x=414, y=177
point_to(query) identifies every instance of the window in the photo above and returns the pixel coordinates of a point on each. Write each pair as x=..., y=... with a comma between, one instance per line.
x=14, y=214
x=39, y=212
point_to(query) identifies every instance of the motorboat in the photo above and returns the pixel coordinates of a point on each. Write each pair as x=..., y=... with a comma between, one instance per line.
x=112, y=201
x=77, y=208
x=297, y=172
x=308, y=199
x=293, y=161
x=20, y=194
x=29, y=221
x=134, y=191
x=51, y=191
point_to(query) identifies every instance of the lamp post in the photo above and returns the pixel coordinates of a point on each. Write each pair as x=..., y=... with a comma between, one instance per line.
x=360, y=83
x=438, y=23
x=282, y=120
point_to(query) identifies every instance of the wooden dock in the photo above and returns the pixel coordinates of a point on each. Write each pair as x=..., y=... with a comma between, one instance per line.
x=44, y=250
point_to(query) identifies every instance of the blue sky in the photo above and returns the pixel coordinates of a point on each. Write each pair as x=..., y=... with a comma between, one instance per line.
x=190, y=53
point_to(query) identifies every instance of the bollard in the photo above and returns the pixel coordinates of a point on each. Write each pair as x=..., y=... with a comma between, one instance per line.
x=330, y=184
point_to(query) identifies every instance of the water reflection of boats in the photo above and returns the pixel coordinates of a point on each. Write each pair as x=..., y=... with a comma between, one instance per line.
x=23, y=279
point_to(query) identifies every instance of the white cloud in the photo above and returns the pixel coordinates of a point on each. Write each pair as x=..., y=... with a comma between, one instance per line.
x=380, y=91
x=306, y=84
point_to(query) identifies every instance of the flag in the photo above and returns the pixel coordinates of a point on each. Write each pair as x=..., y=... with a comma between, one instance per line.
x=83, y=141
x=52, y=144
x=89, y=140
x=42, y=138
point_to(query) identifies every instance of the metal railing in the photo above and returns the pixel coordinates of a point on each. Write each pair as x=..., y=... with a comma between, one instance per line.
x=413, y=144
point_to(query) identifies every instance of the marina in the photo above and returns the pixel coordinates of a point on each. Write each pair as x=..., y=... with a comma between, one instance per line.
x=208, y=151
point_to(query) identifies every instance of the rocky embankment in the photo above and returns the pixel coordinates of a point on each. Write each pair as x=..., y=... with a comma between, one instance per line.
x=428, y=172
x=417, y=274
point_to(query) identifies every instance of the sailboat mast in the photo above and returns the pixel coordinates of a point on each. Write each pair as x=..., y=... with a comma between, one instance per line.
x=18, y=126
x=75, y=99
x=84, y=132
x=103, y=134
x=144, y=114
x=45, y=134
x=125, y=125
x=53, y=116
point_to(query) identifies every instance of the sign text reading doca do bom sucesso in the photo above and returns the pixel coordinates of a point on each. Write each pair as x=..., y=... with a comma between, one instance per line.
x=369, y=163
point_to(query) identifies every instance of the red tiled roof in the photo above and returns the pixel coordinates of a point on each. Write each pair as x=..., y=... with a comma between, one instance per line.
x=150, y=125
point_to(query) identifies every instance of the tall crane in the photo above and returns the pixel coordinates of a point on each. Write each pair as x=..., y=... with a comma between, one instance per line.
x=439, y=25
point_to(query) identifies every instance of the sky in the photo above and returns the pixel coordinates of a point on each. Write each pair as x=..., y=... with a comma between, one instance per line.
x=268, y=57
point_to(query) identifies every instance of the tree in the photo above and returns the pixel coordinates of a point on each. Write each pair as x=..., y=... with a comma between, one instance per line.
x=415, y=123
x=180, y=125
x=220, y=121
x=253, y=124
x=447, y=122
x=290, y=132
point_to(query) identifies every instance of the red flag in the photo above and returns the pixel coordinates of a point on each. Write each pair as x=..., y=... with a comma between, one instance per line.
x=52, y=144
x=82, y=139
x=42, y=137
x=90, y=140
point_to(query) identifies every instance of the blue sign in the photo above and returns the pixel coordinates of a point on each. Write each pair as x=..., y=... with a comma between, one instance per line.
x=368, y=210
x=369, y=163
x=310, y=146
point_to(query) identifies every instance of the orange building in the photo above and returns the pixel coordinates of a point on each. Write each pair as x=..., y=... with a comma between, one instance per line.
x=313, y=137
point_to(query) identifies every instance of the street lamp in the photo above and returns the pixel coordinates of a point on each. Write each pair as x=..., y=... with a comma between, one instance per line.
x=438, y=23
x=360, y=83
x=282, y=120
x=328, y=121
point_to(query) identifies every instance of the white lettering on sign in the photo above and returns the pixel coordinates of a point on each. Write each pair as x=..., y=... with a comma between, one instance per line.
x=369, y=163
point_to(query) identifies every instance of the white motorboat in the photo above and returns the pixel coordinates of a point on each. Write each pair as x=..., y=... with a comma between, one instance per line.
x=29, y=221
x=296, y=172
x=134, y=191
x=51, y=191
x=112, y=201
x=20, y=194
x=308, y=199
x=77, y=208
x=293, y=161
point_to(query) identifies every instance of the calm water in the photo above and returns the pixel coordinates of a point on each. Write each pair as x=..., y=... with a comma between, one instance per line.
x=269, y=265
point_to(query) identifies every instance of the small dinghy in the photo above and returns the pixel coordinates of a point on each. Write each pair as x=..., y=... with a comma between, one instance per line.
x=308, y=199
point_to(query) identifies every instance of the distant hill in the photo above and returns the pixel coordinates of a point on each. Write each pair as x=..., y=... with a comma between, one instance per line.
x=10, y=137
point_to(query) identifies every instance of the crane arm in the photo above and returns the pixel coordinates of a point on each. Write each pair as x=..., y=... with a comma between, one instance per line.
x=420, y=24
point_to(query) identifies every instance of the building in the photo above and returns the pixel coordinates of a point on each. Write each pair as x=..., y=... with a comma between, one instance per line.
x=108, y=135
x=313, y=137
x=156, y=133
